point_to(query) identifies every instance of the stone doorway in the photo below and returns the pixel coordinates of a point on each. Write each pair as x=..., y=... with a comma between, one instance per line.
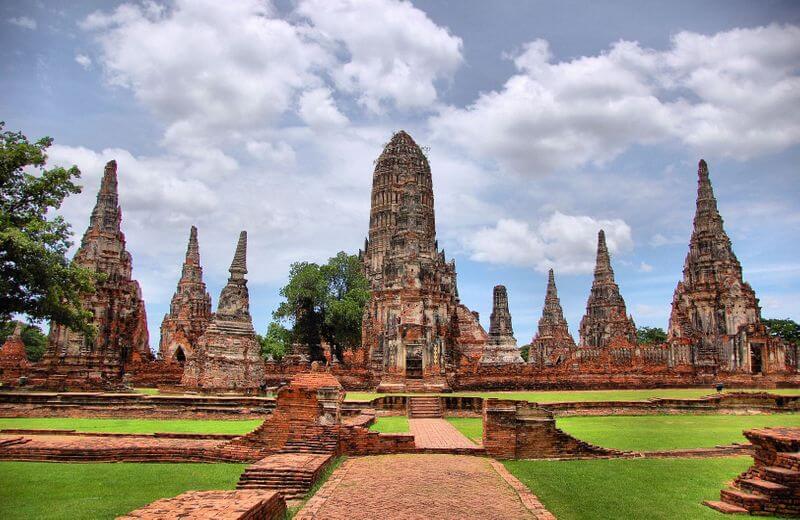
x=756, y=362
x=180, y=355
x=414, y=367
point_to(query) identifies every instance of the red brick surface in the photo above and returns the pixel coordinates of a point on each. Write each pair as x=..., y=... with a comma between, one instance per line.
x=219, y=505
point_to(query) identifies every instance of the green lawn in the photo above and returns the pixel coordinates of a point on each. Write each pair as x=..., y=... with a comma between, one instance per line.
x=664, y=432
x=629, y=488
x=132, y=425
x=652, y=432
x=392, y=424
x=588, y=395
x=471, y=427
x=148, y=391
x=90, y=491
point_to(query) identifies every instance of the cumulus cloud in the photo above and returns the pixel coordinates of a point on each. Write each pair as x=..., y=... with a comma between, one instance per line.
x=318, y=110
x=25, y=22
x=567, y=243
x=735, y=93
x=83, y=60
x=395, y=52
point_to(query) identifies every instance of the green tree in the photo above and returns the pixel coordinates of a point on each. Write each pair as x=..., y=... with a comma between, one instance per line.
x=325, y=303
x=786, y=329
x=33, y=338
x=276, y=341
x=36, y=278
x=651, y=335
x=525, y=351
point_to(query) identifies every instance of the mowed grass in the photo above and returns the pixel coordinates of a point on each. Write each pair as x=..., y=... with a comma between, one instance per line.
x=237, y=427
x=629, y=488
x=470, y=427
x=391, y=424
x=652, y=432
x=588, y=395
x=49, y=491
x=666, y=432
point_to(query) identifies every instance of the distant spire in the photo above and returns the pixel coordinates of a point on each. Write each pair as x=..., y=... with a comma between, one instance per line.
x=602, y=269
x=193, y=249
x=239, y=264
x=500, y=319
x=106, y=214
x=552, y=292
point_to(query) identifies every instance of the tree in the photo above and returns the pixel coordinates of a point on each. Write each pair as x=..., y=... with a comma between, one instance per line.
x=651, y=335
x=525, y=351
x=276, y=342
x=786, y=329
x=325, y=303
x=33, y=338
x=36, y=278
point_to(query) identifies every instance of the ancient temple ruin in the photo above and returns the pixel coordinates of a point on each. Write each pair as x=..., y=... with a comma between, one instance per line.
x=228, y=355
x=14, y=362
x=713, y=309
x=189, y=311
x=413, y=319
x=502, y=345
x=606, y=322
x=116, y=305
x=553, y=342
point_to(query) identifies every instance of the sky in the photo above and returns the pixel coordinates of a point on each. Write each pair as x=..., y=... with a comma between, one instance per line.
x=543, y=121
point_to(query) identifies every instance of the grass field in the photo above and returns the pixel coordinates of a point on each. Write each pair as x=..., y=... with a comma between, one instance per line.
x=48, y=491
x=392, y=424
x=587, y=395
x=652, y=432
x=132, y=425
x=629, y=488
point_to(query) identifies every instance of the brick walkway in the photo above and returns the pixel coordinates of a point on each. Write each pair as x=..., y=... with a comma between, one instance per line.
x=416, y=487
x=437, y=434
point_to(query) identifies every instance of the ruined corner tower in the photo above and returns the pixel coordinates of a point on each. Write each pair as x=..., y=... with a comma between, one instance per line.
x=714, y=310
x=116, y=305
x=228, y=355
x=411, y=324
x=606, y=322
x=189, y=311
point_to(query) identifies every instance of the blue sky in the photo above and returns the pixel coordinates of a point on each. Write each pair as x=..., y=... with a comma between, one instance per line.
x=545, y=122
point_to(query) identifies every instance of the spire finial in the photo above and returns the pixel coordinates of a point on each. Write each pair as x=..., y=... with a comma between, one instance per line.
x=602, y=267
x=551, y=284
x=106, y=215
x=193, y=249
x=239, y=264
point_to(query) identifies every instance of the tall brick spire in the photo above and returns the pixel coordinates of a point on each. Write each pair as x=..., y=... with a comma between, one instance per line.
x=234, y=300
x=190, y=309
x=500, y=319
x=553, y=337
x=502, y=345
x=713, y=305
x=606, y=322
x=106, y=215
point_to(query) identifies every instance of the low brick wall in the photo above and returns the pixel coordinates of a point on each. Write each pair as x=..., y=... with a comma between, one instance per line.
x=219, y=505
x=118, y=405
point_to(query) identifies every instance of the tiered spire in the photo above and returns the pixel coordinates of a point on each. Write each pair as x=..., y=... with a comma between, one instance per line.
x=552, y=313
x=502, y=345
x=552, y=337
x=606, y=321
x=234, y=300
x=500, y=319
x=106, y=215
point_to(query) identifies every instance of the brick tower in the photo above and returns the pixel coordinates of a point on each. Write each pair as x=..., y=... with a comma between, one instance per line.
x=713, y=309
x=189, y=311
x=116, y=304
x=502, y=345
x=606, y=322
x=553, y=341
x=228, y=355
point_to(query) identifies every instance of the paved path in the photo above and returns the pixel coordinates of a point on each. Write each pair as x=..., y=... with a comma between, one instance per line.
x=416, y=487
x=437, y=433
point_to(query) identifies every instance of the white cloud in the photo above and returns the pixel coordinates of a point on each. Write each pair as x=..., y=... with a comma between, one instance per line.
x=659, y=240
x=318, y=110
x=567, y=243
x=645, y=267
x=25, y=22
x=395, y=52
x=736, y=93
x=83, y=60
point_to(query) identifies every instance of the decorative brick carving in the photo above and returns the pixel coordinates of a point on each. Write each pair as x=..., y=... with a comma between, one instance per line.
x=228, y=355
x=190, y=309
x=713, y=309
x=606, y=322
x=502, y=345
x=553, y=342
x=119, y=313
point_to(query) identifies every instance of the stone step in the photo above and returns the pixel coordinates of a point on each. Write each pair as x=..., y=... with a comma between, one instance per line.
x=781, y=475
x=724, y=507
x=749, y=501
x=788, y=460
x=762, y=486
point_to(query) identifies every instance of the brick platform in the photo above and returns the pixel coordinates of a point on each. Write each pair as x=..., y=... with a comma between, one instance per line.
x=395, y=487
x=292, y=474
x=219, y=505
x=438, y=434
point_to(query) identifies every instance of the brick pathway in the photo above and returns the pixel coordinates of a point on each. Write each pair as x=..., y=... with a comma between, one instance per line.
x=437, y=433
x=416, y=487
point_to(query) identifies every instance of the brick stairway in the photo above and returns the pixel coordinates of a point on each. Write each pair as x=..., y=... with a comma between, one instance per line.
x=292, y=474
x=772, y=484
x=312, y=439
x=424, y=407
